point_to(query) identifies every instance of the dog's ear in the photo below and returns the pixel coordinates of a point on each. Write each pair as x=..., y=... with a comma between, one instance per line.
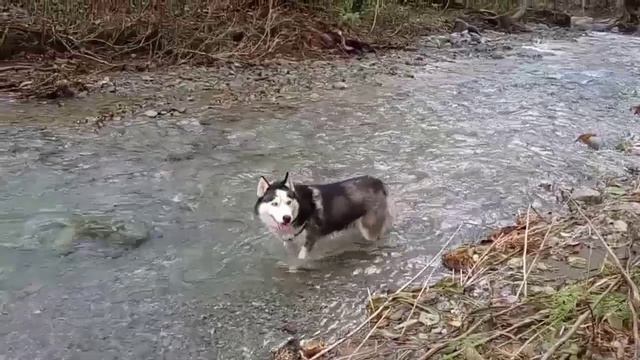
x=288, y=182
x=263, y=185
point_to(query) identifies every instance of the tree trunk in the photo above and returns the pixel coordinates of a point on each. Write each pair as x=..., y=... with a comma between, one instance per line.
x=521, y=10
x=630, y=8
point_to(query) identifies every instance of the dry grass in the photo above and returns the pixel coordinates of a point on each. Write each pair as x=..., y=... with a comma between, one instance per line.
x=52, y=45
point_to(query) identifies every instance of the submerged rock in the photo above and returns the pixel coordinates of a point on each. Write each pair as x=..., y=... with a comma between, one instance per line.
x=100, y=234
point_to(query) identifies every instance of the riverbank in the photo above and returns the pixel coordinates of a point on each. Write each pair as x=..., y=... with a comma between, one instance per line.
x=280, y=83
x=81, y=59
x=551, y=286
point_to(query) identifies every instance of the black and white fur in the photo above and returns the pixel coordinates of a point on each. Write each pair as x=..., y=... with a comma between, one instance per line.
x=300, y=215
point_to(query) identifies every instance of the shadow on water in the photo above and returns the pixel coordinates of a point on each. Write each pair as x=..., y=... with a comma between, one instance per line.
x=466, y=142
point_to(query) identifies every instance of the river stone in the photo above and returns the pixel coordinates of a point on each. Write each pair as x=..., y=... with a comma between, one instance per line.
x=151, y=113
x=100, y=232
x=340, y=85
x=586, y=195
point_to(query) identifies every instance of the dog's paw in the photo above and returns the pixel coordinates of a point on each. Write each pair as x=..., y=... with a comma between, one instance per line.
x=303, y=253
x=288, y=267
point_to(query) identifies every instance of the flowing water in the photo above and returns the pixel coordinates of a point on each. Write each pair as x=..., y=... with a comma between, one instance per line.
x=461, y=143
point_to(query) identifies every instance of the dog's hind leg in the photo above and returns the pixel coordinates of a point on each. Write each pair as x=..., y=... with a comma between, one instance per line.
x=372, y=224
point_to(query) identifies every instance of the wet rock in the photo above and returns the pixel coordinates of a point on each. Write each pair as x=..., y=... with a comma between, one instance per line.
x=101, y=233
x=151, y=113
x=586, y=195
x=438, y=41
x=289, y=328
x=459, y=39
x=340, y=85
x=581, y=23
x=372, y=270
x=476, y=38
x=191, y=125
x=180, y=156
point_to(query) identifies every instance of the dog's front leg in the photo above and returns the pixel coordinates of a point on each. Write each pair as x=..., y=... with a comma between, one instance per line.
x=310, y=240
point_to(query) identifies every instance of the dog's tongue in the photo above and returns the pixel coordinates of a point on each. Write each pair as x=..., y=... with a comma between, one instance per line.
x=285, y=228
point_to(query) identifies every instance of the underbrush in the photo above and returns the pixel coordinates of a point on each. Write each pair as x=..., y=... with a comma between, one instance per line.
x=69, y=39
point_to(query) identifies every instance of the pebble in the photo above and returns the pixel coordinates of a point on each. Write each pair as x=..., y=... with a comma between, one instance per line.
x=340, y=85
x=372, y=270
x=151, y=113
x=620, y=226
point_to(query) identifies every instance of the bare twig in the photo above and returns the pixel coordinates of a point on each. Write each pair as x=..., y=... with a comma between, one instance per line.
x=636, y=331
x=15, y=67
x=535, y=259
x=369, y=333
x=375, y=16
x=524, y=253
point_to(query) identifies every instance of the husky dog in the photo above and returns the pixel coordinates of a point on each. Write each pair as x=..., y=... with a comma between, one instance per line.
x=300, y=214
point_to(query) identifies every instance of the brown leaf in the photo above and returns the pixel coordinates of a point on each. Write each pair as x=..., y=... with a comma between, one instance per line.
x=459, y=259
x=311, y=347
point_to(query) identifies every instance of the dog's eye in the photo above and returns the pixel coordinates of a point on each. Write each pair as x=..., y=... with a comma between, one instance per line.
x=289, y=202
x=274, y=204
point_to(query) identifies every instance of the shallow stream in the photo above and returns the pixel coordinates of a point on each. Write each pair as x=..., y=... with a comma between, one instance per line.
x=466, y=142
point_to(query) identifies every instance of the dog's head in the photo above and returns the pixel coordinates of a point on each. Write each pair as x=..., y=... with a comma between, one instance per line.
x=277, y=205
